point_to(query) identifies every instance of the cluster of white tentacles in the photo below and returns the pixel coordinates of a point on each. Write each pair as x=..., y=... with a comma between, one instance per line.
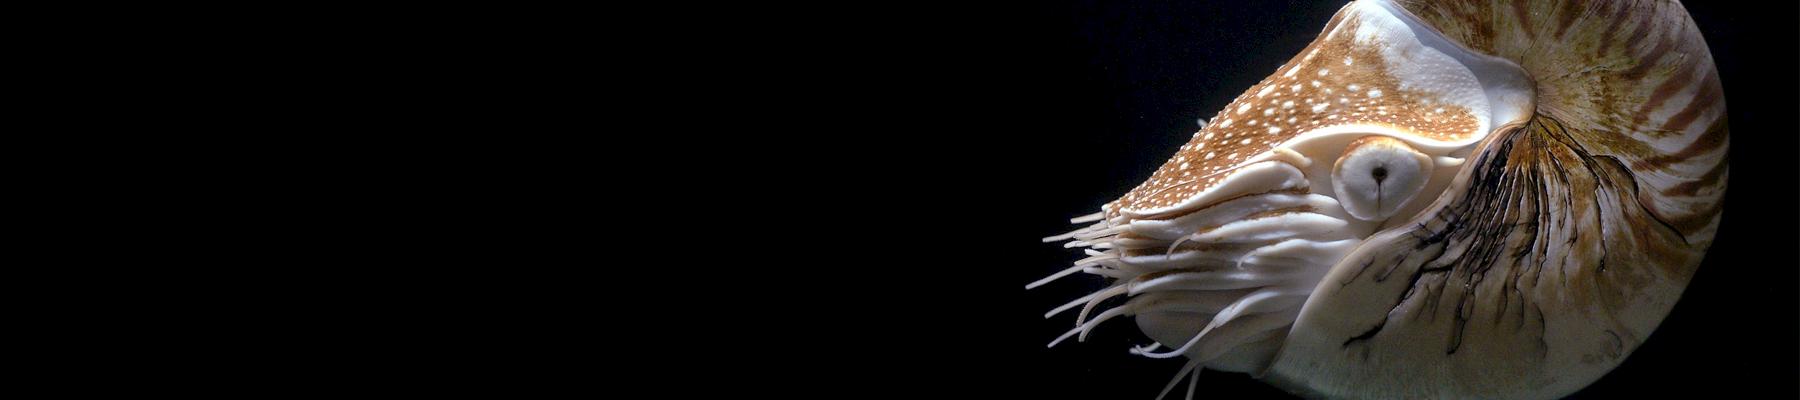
x=1220, y=284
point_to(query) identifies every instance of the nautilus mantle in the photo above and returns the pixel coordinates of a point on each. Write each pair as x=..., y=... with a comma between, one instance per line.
x=1433, y=199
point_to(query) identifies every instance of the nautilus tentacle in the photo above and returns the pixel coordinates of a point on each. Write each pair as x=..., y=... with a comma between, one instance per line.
x=1496, y=199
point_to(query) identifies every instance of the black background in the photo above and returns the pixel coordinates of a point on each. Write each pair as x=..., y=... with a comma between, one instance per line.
x=994, y=124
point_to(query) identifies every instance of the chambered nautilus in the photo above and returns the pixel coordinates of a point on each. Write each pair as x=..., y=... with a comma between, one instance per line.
x=1435, y=198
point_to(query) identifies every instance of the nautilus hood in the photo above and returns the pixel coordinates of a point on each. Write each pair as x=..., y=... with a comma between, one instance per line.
x=1372, y=71
x=1432, y=199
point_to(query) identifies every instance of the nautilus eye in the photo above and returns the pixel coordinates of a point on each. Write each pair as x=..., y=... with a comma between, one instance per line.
x=1377, y=175
x=1435, y=198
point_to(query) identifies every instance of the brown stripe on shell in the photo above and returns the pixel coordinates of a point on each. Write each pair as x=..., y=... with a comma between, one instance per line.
x=1693, y=219
x=1523, y=16
x=1570, y=9
x=1618, y=19
x=1652, y=57
x=1714, y=138
x=1692, y=188
x=1710, y=93
x=1668, y=89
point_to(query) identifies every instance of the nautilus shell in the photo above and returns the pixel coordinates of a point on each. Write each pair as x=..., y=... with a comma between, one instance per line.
x=1491, y=199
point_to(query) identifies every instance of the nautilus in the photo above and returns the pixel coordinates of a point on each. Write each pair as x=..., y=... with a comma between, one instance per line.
x=1435, y=198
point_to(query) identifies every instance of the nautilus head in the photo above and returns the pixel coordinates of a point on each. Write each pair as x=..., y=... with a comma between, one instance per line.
x=1454, y=198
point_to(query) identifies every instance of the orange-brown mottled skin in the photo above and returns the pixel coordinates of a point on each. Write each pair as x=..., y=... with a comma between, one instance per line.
x=1332, y=82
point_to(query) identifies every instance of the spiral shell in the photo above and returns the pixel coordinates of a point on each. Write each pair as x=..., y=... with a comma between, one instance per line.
x=1576, y=168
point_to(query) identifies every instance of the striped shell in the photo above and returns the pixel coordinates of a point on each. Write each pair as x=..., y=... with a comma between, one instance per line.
x=1574, y=166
